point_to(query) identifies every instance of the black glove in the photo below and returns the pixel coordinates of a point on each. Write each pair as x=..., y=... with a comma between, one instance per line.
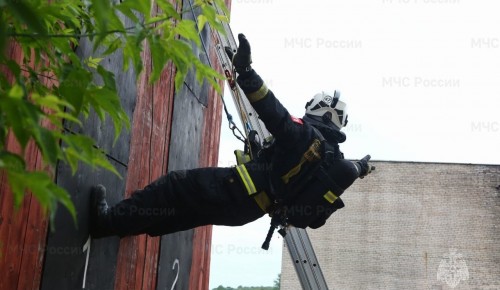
x=243, y=57
x=364, y=167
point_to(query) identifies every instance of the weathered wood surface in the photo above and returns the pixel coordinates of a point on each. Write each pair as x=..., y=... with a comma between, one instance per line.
x=196, y=127
x=23, y=230
x=137, y=260
x=164, y=137
x=65, y=258
x=209, y=156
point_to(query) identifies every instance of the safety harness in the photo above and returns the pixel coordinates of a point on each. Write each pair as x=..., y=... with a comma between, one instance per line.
x=296, y=178
x=251, y=151
x=310, y=175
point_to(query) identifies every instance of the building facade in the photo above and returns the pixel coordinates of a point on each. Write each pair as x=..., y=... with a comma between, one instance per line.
x=412, y=225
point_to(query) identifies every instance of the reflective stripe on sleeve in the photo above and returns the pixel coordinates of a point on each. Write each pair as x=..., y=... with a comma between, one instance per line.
x=259, y=94
x=330, y=197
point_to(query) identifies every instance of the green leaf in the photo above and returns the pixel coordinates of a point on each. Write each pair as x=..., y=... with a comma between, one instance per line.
x=179, y=80
x=64, y=198
x=109, y=101
x=211, y=16
x=61, y=45
x=43, y=188
x=181, y=54
x=105, y=21
x=3, y=36
x=17, y=185
x=143, y=7
x=127, y=11
x=65, y=116
x=168, y=9
x=132, y=54
x=47, y=143
x=93, y=62
x=141, y=32
x=74, y=86
x=27, y=14
x=102, y=161
x=11, y=161
x=204, y=71
x=82, y=148
x=159, y=57
x=38, y=183
x=222, y=18
x=71, y=156
x=21, y=116
x=16, y=92
x=222, y=5
x=187, y=29
x=14, y=68
x=111, y=43
x=51, y=102
x=108, y=78
x=101, y=11
x=202, y=19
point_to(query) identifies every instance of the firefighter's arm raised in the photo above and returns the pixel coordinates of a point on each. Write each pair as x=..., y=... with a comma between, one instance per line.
x=274, y=115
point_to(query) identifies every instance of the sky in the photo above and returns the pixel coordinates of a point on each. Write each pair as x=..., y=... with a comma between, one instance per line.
x=421, y=79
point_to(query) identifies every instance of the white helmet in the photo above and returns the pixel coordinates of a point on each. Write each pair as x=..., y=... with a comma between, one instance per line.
x=328, y=106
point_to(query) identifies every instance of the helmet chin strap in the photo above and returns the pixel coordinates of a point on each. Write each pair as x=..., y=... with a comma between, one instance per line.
x=329, y=130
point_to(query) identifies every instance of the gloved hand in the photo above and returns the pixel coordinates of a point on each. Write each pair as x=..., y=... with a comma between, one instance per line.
x=364, y=167
x=243, y=57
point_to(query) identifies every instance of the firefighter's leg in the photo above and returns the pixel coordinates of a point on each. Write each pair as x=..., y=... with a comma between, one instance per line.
x=130, y=216
x=206, y=196
x=179, y=201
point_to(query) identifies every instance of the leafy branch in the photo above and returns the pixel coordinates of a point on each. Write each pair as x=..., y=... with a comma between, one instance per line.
x=51, y=88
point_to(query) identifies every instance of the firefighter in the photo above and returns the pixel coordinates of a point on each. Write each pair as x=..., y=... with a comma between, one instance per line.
x=301, y=175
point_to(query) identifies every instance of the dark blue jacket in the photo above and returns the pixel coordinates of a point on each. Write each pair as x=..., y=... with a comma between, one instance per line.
x=289, y=171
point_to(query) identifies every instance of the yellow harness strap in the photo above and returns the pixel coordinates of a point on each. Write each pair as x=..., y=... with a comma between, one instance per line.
x=310, y=155
x=247, y=180
x=261, y=198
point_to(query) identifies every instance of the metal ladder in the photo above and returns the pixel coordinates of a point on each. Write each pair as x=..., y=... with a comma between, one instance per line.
x=297, y=240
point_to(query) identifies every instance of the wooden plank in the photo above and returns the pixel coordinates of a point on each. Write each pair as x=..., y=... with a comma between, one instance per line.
x=200, y=269
x=163, y=97
x=129, y=256
x=202, y=241
x=9, y=249
x=22, y=231
x=12, y=231
x=183, y=154
x=175, y=260
x=138, y=256
x=213, y=115
x=36, y=224
x=66, y=256
x=157, y=118
x=65, y=261
x=210, y=104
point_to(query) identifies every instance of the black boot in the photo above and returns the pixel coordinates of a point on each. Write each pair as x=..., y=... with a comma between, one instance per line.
x=99, y=224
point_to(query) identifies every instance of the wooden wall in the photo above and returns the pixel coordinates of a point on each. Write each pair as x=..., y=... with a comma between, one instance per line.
x=23, y=230
x=170, y=130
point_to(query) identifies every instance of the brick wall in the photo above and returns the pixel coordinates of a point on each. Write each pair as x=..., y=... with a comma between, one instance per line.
x=400, y=224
